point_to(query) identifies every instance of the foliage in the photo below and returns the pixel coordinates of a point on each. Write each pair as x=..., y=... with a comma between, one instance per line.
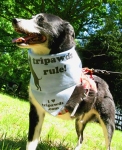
x=104, y=52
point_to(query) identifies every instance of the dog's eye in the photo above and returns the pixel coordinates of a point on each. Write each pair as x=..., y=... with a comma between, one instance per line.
x=40, y=18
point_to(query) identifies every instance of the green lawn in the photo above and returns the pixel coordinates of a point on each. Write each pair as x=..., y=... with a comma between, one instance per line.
x=56, y=134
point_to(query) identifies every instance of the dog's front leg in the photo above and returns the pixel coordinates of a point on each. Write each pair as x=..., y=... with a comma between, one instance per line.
x=36, y=117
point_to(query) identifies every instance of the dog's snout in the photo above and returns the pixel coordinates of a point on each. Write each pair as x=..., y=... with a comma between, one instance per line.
x=14, y=21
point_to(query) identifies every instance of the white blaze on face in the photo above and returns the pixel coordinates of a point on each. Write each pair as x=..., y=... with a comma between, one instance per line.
x=28, y=25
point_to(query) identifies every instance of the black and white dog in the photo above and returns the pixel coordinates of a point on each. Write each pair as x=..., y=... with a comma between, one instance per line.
x=58, y=85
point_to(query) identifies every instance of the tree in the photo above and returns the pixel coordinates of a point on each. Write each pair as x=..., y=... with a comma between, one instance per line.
x=104, y=52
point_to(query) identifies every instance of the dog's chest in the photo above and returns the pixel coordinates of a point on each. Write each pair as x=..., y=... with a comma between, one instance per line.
x=54, y=78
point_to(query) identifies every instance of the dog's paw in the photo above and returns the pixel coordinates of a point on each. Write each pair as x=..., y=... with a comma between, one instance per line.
x=32, y=145
x=78, y=147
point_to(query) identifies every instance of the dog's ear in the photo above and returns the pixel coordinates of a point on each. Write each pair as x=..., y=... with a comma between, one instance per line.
x=65, y=39
x=68, y=37
x=69, y=29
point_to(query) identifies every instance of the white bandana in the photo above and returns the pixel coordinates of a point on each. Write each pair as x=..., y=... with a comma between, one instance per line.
x=53, y=78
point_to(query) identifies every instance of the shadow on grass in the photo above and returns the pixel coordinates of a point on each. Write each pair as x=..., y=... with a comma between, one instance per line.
x=8, y=144
x=50, y=145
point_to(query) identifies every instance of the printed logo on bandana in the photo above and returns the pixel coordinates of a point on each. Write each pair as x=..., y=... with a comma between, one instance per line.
x=52, y=105
x=53, y=78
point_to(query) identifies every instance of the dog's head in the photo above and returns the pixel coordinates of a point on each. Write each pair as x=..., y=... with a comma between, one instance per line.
x=44, y=34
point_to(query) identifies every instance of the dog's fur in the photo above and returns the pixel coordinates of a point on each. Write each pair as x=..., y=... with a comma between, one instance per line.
x=49, y=34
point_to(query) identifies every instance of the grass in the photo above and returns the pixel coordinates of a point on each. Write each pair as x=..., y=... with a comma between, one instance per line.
x=56, y=134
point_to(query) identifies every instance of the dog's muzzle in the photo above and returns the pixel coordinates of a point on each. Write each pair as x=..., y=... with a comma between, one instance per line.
x=22, y=26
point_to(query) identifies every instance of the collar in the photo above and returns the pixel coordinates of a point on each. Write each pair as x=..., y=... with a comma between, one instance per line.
x=53, y=78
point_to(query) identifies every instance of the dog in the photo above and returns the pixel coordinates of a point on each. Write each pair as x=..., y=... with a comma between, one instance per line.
x=52, y=45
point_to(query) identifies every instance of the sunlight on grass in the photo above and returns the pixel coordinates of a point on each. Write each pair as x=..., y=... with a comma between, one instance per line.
x=56, y=133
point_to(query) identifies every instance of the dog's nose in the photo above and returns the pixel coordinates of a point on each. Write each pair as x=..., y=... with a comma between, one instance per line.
x=14, y=21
